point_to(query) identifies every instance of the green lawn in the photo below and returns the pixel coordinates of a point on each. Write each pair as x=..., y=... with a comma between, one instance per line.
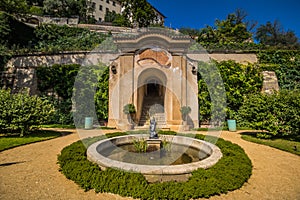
x=282, y=144
x=7, y=142
x=58, y=126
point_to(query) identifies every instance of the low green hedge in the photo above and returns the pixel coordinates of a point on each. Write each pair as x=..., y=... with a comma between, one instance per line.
x=229, y=174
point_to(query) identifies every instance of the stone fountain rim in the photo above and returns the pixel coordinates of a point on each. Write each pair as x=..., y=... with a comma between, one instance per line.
x=104, y=162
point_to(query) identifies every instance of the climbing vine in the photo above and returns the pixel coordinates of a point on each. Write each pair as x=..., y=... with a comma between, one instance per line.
x=56, y=83
x=238, y=80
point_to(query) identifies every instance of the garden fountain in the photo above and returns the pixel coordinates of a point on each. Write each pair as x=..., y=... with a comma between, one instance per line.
x=167, y=155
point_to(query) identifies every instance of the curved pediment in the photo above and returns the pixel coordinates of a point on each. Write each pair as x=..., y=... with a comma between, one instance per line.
x=167, y=39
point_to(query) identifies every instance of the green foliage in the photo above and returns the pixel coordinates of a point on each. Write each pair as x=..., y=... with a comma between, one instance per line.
x=101, y=95
x=291, y=145
x=13, y=33
x=56, y=84
x=36, y=10
x=230, y=173
x=185, y=110
x=273, y=34
x=128, y=109
x=67, y=8
x=140, y=145
x=5, y=56
x=278, y=114
x=14, y=6
x=286, y=65
x=210, y=85
x=140, y=12
x=238, y=80
x=231, y=30
x=55, y=38
x=11, y=141
x=57, y=78
x=22, y=112
x=91, y=93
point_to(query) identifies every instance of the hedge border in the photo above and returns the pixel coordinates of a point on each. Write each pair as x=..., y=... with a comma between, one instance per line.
x=230, y=173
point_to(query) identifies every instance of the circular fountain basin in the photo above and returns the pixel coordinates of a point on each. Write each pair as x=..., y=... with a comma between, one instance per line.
x=94, y=154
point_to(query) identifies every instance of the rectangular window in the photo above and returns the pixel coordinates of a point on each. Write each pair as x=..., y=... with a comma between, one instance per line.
x=114, y=3
x=94, y=5
x=107, y=10
x=100, y=19
x=107, y=1
x=100, y=7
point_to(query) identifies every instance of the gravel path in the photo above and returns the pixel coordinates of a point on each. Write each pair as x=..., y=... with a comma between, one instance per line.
x=31, y=172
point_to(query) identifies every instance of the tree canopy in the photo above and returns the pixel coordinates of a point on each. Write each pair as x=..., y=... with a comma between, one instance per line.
x=232, y=29
x=273, y=34
x=14, y=6
x=139, y=12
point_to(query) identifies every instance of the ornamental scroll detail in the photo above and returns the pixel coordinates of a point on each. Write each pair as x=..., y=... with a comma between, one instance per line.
x=156, y=55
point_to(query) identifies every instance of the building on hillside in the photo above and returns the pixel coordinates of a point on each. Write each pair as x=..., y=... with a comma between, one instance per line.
x=160, y=18
x=101, y=7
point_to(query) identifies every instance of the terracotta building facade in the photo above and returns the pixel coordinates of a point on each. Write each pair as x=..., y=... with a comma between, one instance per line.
x=154, y=74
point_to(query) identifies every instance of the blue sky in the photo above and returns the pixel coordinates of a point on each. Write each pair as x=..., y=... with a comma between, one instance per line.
x=198, y=13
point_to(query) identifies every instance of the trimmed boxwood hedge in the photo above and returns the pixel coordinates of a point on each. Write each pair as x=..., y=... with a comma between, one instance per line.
x=230, y=173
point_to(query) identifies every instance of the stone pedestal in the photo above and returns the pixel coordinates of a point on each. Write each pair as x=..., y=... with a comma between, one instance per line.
x=154, y=144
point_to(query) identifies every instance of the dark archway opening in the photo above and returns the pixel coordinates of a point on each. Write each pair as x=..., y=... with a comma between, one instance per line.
x=152, y=90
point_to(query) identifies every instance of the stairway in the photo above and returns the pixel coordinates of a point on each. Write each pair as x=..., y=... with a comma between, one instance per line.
x=154, y=107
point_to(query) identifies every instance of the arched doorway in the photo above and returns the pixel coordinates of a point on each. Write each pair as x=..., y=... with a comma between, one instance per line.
x=151, y=96
x=154, y=88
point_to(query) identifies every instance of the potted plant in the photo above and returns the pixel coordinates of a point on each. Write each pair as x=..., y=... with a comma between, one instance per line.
x=129, y=110
x=185, y=111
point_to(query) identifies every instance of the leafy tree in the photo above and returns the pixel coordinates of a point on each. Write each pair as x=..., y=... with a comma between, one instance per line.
x=110, y=16
x=13, y=32
x=273, y=34
x=4, y=28
x=120, y=20
x=232, y=29
x=14, y=6
x=194, y=33
x=67, y=8
x=139, y=12
x=23, y=112
x=35, y=2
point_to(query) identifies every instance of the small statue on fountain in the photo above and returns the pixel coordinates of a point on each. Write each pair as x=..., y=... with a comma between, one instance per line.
x=153, y=134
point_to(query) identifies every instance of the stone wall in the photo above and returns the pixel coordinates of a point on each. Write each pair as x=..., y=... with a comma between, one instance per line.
x=53, y=20
x=22, y=68
x=270, y=82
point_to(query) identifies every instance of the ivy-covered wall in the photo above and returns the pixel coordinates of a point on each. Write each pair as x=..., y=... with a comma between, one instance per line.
x=56, y=83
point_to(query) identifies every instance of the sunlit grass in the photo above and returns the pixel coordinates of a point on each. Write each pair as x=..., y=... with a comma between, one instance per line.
x=282, y=144
x=8, y=142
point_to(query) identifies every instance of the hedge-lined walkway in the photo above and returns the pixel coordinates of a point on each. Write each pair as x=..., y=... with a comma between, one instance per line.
x=31, y=172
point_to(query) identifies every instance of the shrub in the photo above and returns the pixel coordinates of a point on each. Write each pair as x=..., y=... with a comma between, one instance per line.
x=279, y=114
x=56, y=38
x=230, y=173
x=23, y=112
x=239, y=80
x=91, y=93
x=286, y=65
x=56, y=84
